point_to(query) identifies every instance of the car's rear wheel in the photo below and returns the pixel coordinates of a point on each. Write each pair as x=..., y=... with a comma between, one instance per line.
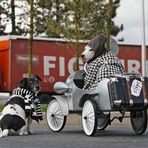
x=103, y=120
x=139, y=121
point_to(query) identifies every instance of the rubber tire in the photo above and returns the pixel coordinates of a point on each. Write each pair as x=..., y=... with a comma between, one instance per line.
x=89, y=117
x=105, y=119
x=55, y=120
x=139, y=121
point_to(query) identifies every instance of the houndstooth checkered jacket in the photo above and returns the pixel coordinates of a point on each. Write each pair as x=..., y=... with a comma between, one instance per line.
x=103, y=66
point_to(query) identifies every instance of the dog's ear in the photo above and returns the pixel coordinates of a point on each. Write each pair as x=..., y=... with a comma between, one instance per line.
x=37, y=77
x=100, y=46
x=102, y=41
x=22, y=83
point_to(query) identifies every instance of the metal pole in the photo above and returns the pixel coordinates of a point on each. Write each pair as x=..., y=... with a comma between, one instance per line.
x=143, y=48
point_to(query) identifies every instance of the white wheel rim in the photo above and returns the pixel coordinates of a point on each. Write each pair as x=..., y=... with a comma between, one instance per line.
x=55, y=118
x=88, y=118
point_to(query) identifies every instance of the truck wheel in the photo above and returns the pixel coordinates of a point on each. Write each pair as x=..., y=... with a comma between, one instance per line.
x=89, y=117
x=139, y=121
x=55, y=119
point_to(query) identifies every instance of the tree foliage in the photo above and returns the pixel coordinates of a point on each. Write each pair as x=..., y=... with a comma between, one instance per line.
x=56, y=18
x=8, y=17
x=3, y=16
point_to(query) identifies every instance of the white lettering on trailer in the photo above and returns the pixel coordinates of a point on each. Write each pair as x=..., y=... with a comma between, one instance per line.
x=133, y=66
x=62, y=66
x=22, y=58
x=48, y=65
x=71, y=63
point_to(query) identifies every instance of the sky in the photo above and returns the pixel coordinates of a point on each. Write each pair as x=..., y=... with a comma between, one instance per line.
x=130, y=15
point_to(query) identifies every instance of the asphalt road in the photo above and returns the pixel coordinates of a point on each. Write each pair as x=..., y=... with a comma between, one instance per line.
x=118, y=135
x=72, y=136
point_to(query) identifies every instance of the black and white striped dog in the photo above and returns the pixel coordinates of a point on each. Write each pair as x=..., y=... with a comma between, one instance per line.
x=19, y=109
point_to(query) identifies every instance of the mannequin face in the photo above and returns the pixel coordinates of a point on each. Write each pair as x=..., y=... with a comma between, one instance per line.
x=87, y=54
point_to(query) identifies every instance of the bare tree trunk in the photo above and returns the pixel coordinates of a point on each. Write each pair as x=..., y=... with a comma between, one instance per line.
x=31, y=38
x=13, y=17
x=57, y=10
x=76, y=33
x=109, y=17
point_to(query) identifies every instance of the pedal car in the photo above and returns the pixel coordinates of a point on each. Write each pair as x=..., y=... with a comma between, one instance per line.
x=126, y=93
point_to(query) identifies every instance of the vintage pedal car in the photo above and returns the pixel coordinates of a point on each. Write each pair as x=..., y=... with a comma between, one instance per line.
x=128, y=93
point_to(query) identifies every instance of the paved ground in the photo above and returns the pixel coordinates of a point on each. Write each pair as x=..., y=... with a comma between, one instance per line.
x=3, y=98
x=118, y=135
x=72, y=136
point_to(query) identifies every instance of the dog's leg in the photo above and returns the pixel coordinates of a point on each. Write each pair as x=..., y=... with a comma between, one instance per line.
x=4, y=133
x=29, y=121
x=23, y=131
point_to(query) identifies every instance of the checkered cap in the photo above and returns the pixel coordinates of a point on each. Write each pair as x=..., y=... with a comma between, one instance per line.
x=98, y=44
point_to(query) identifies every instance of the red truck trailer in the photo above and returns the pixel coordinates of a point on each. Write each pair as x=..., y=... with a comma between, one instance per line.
x=53, y=60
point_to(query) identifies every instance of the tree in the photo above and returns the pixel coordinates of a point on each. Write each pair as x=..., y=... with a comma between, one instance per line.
x=55, y=18
x=9, y=18
x=3, y=16
x=31, y=31
x=110, y=13
x=76, y=33
x=50, y=18
x=13, y=17
x=2, y=26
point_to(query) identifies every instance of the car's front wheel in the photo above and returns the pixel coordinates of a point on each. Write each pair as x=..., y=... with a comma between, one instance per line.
x=55, y=119
x=89, y=117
